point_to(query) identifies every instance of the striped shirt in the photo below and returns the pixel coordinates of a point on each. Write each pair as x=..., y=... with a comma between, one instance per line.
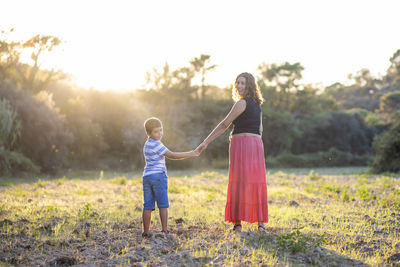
x=154, y=152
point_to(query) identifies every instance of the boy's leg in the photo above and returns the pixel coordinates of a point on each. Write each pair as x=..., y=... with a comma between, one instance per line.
x=146, y=220
x=161, y=192
x=149, y=202
x=164, y=218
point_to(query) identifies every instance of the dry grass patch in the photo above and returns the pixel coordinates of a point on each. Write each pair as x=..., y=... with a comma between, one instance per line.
x=315, y=219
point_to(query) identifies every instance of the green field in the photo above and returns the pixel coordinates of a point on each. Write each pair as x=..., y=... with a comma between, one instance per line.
x=320, y=217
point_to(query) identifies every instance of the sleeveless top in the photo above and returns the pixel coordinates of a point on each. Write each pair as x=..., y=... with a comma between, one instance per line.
x=249, y=121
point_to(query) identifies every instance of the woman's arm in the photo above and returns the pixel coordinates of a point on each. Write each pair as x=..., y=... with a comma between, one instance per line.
x=261, y=126
x=236, y=110
x=182, y=155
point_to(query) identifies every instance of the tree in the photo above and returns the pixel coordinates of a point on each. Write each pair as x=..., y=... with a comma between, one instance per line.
x=183, y=77
x=21, y=75
x=284, y=77
x=178, y=85
x=10, y=126
x=306, y=102
x=279, y=130
x=9, y=57
x=364, y=93
x=387, y=147
x=270, y=93
x=364, y=79
x=11, y=161
x=159, y=81
x=88, y=143
x=346, y=132
x=32, y=78
x=393, y=72
x=199, y=65
x=373, y=120
x=390, y=105
x=44, y=137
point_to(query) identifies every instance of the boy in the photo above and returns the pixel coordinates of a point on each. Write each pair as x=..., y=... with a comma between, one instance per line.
x=155, y=180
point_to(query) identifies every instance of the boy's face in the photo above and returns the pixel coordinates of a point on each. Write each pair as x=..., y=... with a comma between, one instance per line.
x=156, y=133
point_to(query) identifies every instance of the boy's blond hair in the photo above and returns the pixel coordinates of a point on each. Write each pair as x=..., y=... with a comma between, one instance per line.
x=151, y=123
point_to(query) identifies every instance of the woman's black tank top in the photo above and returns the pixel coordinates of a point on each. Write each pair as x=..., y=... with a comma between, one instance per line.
x=249, y=120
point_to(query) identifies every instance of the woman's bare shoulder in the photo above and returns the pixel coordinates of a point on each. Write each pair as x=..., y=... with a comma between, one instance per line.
x=239, y=106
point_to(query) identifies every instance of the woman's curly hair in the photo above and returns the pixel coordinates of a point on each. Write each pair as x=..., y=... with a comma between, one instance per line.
x=252, y=89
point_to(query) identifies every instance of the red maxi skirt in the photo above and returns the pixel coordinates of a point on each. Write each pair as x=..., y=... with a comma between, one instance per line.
x=247, y=198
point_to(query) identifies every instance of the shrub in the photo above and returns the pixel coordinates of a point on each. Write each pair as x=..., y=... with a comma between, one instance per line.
x=387, y=147
x=279, y=131
x=10, y=130
x=11, y=162
x=296, y=241
x=44, y=139
x=346, y=132
x=390, y=102
x=10, y=125
x=331, y=158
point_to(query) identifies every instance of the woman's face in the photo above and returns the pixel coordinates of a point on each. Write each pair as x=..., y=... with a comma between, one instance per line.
x=241, y=86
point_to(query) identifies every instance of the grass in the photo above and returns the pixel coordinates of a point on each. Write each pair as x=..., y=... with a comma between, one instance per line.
x=335, y=216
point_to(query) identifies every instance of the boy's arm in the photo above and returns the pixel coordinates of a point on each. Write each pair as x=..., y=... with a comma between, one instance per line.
x=182, y=155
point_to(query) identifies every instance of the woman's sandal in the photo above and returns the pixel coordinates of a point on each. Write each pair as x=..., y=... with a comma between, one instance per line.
x=261, y=229
x=236, y=226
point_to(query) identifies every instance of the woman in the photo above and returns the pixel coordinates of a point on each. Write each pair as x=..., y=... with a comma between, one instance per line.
x=247, y=189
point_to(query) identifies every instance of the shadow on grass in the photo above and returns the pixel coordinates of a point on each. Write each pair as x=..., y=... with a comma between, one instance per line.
x=88, y=241
x=296, y=248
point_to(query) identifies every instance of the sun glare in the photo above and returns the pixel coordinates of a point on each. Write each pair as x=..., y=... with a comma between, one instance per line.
x=330, y=40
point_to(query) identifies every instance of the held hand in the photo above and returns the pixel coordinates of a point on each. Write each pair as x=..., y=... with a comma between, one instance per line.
x=196, y=152
x=201, y=147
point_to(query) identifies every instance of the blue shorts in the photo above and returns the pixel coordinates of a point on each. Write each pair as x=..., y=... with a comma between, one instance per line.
x=155, y=188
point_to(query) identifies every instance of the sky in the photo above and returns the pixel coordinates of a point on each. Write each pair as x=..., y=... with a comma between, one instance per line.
x=113, y=44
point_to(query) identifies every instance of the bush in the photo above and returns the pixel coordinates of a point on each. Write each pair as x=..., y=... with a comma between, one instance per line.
x=387, y=147
x=12, y=162
x=44, y=138
x=88, y=143
x=10, y=130
x=331, y=158
x=390, y=102
x=346, y=132
x=371, y=118
x=10, y=125
x=279, y=131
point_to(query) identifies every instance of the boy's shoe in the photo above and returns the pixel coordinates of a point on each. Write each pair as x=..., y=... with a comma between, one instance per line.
x=165, y=232
x=146, y=235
